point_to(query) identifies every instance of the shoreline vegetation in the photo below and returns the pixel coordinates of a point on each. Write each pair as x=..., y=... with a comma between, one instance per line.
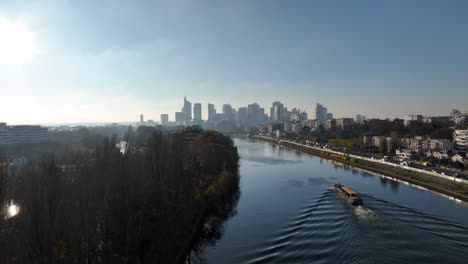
x=446, y=187
x=160, y=202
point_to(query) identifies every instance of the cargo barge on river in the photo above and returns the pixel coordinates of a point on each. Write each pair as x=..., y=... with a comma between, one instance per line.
x=348, y=194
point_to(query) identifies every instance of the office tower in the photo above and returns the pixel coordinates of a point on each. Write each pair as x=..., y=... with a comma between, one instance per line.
x=242, y=114
x=255, y=114
x=187, y=110
x=227, y=112
x=180, y=117
x=277, y=112
x=211, y=112
x=320, y=112
x=197, y=112
x=164, y=118
x=141, y=119
x=329, y=116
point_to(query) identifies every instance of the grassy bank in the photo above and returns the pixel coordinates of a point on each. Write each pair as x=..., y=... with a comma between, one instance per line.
x=451, y=188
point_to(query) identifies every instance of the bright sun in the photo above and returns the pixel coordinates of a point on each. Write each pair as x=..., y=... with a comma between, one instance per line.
x=17, y=43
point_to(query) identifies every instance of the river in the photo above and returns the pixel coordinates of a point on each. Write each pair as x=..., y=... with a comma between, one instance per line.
x=287, y=214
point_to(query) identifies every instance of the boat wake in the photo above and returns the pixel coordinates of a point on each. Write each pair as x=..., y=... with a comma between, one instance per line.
x=328, y=230
x=366, y=214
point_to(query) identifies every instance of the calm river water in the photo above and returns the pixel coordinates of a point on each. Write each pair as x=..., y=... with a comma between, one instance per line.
x=287, y=214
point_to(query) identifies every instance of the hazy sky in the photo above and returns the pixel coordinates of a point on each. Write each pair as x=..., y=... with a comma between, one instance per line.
x=79, y=61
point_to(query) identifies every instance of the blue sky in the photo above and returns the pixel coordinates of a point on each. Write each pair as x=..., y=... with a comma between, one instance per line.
x=112, y=60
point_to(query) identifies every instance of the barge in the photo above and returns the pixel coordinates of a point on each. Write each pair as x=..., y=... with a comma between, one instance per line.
x=348, y=194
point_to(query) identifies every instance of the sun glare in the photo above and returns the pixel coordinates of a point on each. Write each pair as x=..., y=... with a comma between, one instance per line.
x=12, y=210
x=17, y=43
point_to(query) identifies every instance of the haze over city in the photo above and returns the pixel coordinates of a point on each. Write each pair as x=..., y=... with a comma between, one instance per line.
x=234, y=131
x=89, y=61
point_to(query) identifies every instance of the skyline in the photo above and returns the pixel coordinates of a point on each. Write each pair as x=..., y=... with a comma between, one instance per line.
x=95, y=62
x=219, y=109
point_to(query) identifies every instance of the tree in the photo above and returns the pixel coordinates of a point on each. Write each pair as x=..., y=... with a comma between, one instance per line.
x=414, y=155
x=457, y=165
x=383, y=147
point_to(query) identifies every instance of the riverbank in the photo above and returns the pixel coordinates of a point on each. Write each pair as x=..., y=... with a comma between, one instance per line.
x=435, y=183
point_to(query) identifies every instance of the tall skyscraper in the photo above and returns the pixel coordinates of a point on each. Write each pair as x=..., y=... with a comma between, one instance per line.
x=320, y=112
x=242, y=114
x=187, y=109
x=211, y=112
x=164, y=119
x=227, y=112
x=277, y=112
x=255, y=114
x=197, y=112
x=141, y=119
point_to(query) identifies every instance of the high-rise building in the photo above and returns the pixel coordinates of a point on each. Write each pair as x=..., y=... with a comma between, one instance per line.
x=164, y=119
x=277, y=112
x=320, y=112
x=255, y=114
x=227, y=112
x=180, y=117
x=329, y=116
x=187, y=109
x=141, y=119
x=211, y=112
x=242, y=114
x=197, y=112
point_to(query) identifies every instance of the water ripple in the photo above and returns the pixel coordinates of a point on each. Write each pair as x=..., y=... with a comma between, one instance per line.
x=328, y=230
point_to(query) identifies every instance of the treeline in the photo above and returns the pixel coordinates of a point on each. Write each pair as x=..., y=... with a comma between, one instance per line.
x=151, y=205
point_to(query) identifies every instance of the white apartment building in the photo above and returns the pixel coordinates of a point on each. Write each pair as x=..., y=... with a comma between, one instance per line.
x=460, y=140
x=412, y=118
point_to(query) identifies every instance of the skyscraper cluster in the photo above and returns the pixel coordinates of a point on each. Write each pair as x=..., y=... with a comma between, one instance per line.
x=252, y=114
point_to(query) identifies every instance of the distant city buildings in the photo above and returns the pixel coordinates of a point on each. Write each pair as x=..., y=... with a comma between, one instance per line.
x=186, y=110
x=180, y=117
x=211, y=112
x=295, y=121
x=21, y=134
x=458, y=117
x=228, y=113
x=255, y=114
x=242, y=115
x=411, y=119
x=344, y=122
x=321, y=113
x=164, y=119
x=197, y=112
x=277, y=112
x=142, y=120
x=360, y=118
